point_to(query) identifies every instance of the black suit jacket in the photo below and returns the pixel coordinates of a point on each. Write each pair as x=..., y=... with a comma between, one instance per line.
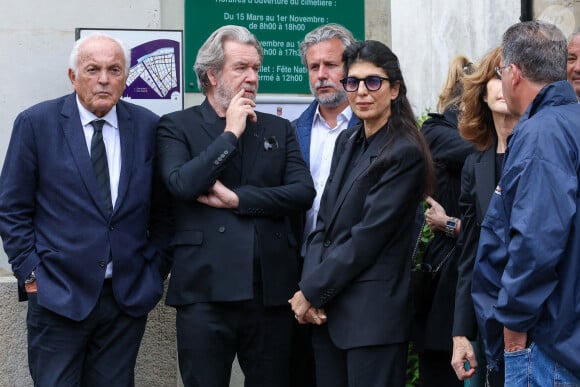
x=357, y=264
x=478, y=182
x=215, y=249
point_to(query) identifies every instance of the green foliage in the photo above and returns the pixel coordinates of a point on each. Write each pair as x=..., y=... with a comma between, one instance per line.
x=424, y=115
x=426, y=236
x=412, y=368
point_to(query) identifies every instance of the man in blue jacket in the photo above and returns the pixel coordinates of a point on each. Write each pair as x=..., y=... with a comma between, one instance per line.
x=526, y=280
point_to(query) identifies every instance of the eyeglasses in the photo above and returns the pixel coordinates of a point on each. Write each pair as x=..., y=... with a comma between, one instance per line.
x=372, y=83
x=499, y=69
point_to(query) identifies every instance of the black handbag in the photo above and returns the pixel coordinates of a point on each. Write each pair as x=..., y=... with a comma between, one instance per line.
x=427, y=261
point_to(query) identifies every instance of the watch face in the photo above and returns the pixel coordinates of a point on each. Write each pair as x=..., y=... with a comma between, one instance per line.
x=450, y=227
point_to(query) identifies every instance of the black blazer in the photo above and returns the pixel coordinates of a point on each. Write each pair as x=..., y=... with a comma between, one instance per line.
x=478, y=182
x=357, y=264
x=215, y=249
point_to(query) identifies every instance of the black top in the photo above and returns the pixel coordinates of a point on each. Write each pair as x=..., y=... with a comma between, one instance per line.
x=433, y=325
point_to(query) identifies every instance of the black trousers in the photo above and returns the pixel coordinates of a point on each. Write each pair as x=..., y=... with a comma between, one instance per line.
x=435, y=370
x=374, y=366
x=98, y=351
x=209, y=335
x=302, y=372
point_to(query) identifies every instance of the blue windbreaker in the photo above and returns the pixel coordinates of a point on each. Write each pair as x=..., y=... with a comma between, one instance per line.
x=527, y=271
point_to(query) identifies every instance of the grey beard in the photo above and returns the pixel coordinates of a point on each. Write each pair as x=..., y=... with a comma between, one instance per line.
x=223, y=96
x=333, y=101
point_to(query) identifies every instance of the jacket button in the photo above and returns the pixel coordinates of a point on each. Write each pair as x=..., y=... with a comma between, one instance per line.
x=102, y=263
x=278, y=235
x=326, y=243
x=111, y=227
x=222, y=229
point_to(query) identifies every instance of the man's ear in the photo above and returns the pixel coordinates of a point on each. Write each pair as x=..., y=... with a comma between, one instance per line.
x=212, y=77
x=516, y=75
x=72, y=76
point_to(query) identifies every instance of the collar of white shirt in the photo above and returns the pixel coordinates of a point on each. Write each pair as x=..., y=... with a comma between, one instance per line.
x=343, y=116
x=87, y=117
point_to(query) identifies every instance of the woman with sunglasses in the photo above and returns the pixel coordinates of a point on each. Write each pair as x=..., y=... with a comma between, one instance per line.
x=486, y=122
x=355, y=281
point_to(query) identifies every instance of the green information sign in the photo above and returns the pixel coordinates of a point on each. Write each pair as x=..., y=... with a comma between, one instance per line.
x=279, y=25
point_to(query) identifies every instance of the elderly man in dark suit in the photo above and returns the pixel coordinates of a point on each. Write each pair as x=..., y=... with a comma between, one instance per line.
x=236, y=175
x=78, y=224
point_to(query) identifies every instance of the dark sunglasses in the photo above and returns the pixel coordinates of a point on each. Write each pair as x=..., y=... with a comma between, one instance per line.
x=372, y=83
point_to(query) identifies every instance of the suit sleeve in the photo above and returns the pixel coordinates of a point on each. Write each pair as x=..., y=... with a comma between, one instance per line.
x=401, y=177
x=17, y=199
x=162, y=222
x=464, y=322
x=187, y=175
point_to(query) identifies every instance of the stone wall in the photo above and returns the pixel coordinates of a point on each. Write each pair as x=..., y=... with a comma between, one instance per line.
x=156, y=364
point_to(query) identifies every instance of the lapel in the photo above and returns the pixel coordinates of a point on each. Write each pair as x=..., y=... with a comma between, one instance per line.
x=211, y=121
x=346, y=150
x=252, y=142
x=484, y=172
x=304, y=130
x=343, y=184
x=72, y=129
x=127, y=138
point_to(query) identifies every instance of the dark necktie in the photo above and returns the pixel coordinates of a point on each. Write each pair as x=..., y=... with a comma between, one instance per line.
x=100, y=166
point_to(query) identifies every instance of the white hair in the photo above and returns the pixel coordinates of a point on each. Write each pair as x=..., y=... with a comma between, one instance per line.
x=74, y=55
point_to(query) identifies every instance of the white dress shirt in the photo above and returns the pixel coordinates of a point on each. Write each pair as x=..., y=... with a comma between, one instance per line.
x=322, y=141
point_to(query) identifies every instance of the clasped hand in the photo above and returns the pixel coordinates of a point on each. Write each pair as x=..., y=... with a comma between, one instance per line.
x=304, y=312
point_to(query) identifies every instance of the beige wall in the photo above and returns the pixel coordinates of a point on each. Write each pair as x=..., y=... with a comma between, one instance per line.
x=427, y=35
